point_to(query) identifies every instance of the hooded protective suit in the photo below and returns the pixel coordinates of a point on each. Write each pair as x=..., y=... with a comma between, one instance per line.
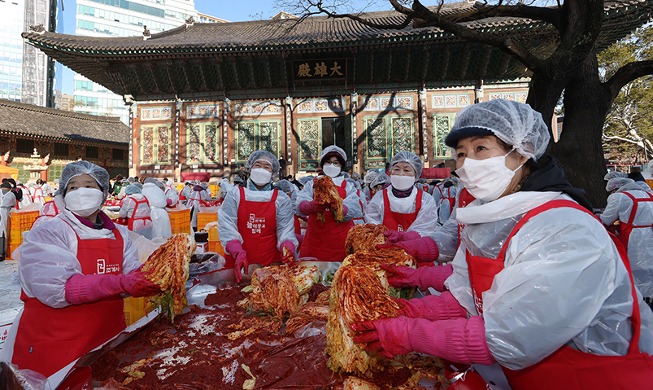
x=621, y=208
x=160, y=219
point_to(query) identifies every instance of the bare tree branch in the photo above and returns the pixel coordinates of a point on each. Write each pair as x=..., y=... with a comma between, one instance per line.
x=628, y=73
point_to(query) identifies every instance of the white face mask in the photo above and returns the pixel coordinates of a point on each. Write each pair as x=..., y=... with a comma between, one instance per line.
x=402, y=183
x=486, y=179
x=84, y=201
x=331, y=170
x=260, y=176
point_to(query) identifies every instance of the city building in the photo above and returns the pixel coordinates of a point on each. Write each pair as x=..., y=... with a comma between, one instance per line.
x=40, y=141
x=204, y=96
x=126, y=18
x=26, y=73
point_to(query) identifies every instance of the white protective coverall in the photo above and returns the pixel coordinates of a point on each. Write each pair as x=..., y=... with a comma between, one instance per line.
x=426, y=217
x=7, y=202
x=142, y=225
x=586, y=270
x=228, y=215
x=640, y=242
x=160, y=219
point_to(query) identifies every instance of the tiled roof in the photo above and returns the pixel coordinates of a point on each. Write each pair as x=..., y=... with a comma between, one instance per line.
x=268, y=35
x=26, y=119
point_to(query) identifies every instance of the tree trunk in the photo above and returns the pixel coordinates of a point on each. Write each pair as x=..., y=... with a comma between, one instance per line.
x=579, y=149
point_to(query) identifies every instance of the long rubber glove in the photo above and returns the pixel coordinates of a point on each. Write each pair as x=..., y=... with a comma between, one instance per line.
x=288, y=253
x=432, y=307
x=393, y=236
x=309, y=207
x=460, y=340
x=92, y=288
x=423, y=249
x=422, y=277
x=235, y=249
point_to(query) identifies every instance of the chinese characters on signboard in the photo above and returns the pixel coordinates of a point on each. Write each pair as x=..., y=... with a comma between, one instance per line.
x=320, y=69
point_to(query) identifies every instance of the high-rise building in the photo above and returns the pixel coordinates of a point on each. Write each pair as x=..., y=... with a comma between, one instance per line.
x=121, y=18
x=11, y=50
x=26, y=73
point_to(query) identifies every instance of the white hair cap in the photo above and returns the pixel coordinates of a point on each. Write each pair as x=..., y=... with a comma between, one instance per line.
x=410, y=158
x=617, y=182
x=83, y=167
x=613, y=174
x=263, y=155
x=516, y=124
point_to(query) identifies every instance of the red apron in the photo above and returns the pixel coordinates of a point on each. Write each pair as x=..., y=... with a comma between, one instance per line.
x=398, y=221
x=48, y=339
x=257, y=225
x=568, y=368
x=133, y=218
x=464, y=198
x=326, y=241
x=625, y=228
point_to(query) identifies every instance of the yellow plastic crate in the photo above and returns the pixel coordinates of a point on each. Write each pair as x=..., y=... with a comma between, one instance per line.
x=203, y=218
x=215, y=246
x=23, y=220
x=179, y=221
x=10, y=249
x=213, y=234
x=135, y=309
x=215, y=190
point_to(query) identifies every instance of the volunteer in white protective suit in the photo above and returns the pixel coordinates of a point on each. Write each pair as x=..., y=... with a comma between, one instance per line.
x=632, y=206
x=74, y=270
x=7, y=202
x=539, y=291
x=408, y=212
x=136, y=208
x=153, y=191
x=256, y=221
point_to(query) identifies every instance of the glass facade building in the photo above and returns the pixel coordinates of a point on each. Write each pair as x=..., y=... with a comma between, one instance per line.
x=11, y=50
x=121, y=18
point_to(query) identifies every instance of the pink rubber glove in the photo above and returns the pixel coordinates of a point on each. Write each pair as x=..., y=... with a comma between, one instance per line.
x=422, y=277
x=393, y=236
x=92, y=288
x=288, y=253
x=460, y=340
x=168, y=202
x=309, y=207
x=432, y=307
x=423, y=249
x=235, y=249
x=137, y=285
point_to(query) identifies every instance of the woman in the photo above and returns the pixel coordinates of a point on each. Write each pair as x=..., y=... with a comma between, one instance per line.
x=136, y=209
x=538, y=286
x=197, y=198
x=7, y=202
x=632, y=206
x=153, y=192
x=256, y=222
x=408, y=212
x=74, y=269
x=325, y=241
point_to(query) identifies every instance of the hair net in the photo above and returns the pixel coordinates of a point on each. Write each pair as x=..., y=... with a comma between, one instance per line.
x=613, y=174
x=149, y=180
x=381, y=178
x=139, y=185
x=516, y=124
x=305, y=179
x=84, y=167
x=285, y=186
x=157, y=183
x=370, y=176
x=410, y=158
x=263, y=155
x=617, y=182
x=333, y=150
x=132, y=189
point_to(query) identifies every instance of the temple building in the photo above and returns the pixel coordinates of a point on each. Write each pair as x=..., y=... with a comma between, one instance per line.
x=39, y=141
x=202, y=97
